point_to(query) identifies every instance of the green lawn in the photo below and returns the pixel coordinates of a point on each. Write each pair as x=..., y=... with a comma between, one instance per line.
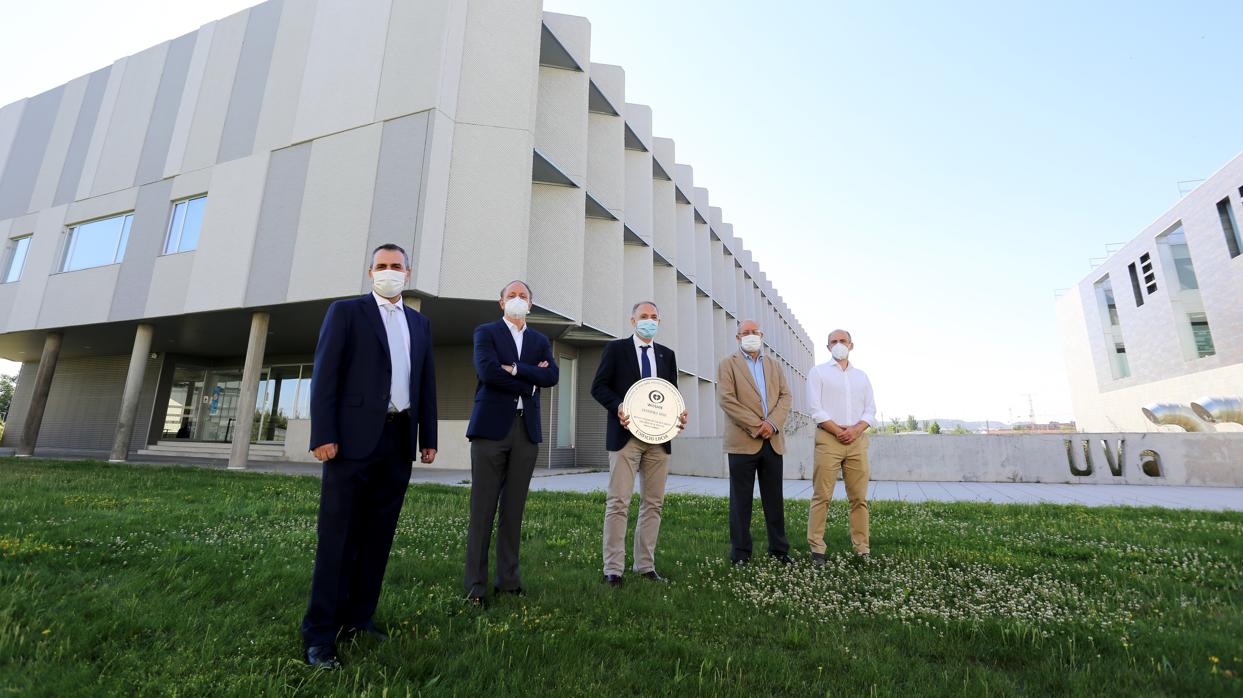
x=148, y=580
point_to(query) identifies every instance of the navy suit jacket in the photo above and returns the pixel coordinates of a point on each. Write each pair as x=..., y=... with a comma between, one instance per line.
x=353, y=373
x=496, y=395
x=618, y=370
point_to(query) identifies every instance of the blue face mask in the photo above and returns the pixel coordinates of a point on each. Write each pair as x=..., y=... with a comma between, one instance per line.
x=646, y=328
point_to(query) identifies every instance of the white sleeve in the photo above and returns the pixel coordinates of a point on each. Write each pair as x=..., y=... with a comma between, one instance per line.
x=869, y=403
x=814, y=405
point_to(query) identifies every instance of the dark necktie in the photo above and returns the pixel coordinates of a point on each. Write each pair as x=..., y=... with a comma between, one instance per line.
x=647, y=365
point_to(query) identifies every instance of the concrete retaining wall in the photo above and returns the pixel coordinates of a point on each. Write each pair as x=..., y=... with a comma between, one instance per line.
x=1173, y=459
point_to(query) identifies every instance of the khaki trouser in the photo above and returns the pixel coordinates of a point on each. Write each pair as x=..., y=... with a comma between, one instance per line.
x=833, y=457
x=651, y=463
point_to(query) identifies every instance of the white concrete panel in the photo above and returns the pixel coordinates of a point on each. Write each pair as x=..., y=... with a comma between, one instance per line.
x=118, y=163
x=189, y=99
x=500, y=64
x=708, y=409
x=284, y=84
x=430, y=232
x=424, y=40
x=638, y=206
x=342, y=78
x=170, y=280
x=665, y=293
x=574, y=33
x=99, y=135
x=331, y=250
x=91, y=291
x=58, y=144
x=639, y=119
x=606, y=162
x=689, y=387
x=47, y=230
x=603, y=275
x=226, y=241
x=212, y=105
x=688, y=339
x=10, y=119
x=561, y=121
x=557, y=232
x=638, y=281
x=706, y=363
x=102, y=206
x=191, y=183
x=488, y=212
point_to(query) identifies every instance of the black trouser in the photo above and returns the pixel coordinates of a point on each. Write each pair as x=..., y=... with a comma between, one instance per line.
x=359, y=502
x=743, y=469
x=500, y=473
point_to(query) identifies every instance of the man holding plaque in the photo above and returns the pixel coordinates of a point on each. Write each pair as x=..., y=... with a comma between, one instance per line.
x=753, y=392
x=638, y=439
x=839, y=397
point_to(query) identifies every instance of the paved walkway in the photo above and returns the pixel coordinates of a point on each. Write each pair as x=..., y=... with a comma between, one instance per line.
x=1170, y=497
x=1166, y=496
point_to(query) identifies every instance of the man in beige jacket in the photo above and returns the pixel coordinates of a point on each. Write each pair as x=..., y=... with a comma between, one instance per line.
x=755, y=396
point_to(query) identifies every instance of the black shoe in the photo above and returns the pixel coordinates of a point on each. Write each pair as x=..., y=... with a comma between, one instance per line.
x=783, y=559
x=652, y=575
x=368, y=631
x=516, y=591
x=817, y=559
x=476, y=601
x=613, y=580
x=323, y=657
x=862, y=557
x=740, y=563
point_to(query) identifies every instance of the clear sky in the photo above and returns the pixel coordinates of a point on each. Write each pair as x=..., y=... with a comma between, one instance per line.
x=926, y=175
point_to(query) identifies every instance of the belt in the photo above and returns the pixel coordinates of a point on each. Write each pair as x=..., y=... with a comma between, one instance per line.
x=395, y=416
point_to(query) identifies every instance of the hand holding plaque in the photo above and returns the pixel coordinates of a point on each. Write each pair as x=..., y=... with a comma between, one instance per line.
x=654, y=407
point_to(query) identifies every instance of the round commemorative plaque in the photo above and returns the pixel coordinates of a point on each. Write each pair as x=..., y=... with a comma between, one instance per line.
x=653, y=405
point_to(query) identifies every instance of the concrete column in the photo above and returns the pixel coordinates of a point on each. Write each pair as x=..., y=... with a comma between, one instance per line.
x=129, y=397
x=249, y=391
x=38, y=400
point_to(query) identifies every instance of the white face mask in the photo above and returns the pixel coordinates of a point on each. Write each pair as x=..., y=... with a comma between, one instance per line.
x=516, y=307
x=389, y=282
x=751, y=343
x=840, y=351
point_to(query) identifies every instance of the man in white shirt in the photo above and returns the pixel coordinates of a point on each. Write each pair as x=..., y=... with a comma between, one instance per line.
x=839, y=397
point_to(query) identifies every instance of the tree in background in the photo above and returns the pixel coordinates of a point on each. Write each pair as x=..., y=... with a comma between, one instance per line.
x=912, y=424
x=960, y=430
x=7, y=383
x=934, y=428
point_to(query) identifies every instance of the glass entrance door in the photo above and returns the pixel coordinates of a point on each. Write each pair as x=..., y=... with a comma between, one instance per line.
x=203, y=402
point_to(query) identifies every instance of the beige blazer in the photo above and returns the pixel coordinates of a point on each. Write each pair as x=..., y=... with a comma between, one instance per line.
x=739, y=397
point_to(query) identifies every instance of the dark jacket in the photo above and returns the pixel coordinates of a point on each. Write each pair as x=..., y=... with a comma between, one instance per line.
x=496, y=395
x=619, y=369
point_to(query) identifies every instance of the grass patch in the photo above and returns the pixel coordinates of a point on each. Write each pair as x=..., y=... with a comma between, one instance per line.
x=144, y=580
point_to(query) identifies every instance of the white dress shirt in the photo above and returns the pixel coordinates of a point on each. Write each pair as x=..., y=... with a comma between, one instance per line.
x=393, y=317
x=638, y=354
x=843, y=396
x=516, y=332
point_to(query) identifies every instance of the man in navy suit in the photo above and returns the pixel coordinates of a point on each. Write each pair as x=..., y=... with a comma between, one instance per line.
x=373, y=405
x=622, y=364
x=512, y=362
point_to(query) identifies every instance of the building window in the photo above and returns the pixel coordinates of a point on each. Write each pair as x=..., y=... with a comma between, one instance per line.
x=96, y=243
x=1228, y=226
x=1139, y=297
x=1194, y=333
x=1111, y=325
x=1150, y=275
x=566, y=386
x=18, y=247
x=184, y=225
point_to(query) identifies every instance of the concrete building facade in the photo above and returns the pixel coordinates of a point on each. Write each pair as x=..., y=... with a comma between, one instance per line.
x=1161, y=320
x=176, y=224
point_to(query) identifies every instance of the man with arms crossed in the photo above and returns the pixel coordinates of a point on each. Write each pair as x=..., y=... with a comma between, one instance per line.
x=753, y=392
x=373, y=403
x=623, y=363
x=839, y=397
x=512, y=362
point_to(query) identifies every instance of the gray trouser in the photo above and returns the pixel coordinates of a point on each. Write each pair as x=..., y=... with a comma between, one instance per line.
x=500, y=474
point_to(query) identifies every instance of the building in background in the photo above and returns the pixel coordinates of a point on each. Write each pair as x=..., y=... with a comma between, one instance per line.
x=1161, y=320
x=175, y=225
